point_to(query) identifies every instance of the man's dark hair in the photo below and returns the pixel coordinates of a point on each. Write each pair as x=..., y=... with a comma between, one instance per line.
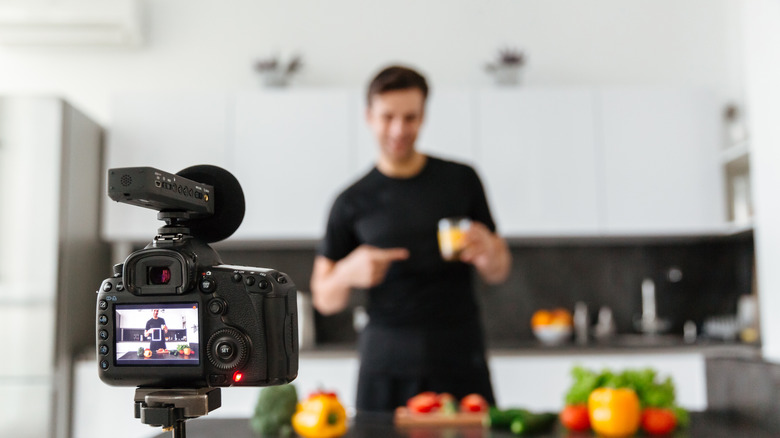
x=396, y=77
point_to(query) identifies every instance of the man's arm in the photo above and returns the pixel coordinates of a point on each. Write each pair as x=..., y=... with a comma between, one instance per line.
x=488, y=252
x=332, y=281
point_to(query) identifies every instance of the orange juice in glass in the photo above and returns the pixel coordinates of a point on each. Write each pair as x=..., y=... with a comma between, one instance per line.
x=452, y=235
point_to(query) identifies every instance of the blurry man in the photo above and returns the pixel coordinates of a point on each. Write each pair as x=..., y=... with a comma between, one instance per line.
x=424, y=331
x=155, y=329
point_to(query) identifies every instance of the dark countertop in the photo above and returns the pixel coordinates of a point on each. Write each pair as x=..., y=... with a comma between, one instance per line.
x=703, y=425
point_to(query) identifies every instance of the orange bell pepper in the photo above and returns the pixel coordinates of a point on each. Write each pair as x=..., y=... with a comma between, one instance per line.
x=320, y=416
x=614, y=412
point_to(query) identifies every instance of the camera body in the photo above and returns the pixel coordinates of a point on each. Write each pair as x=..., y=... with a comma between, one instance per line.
x=174, y=316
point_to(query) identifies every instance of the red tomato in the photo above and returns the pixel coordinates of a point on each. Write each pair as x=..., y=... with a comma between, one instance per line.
x=658, y=421
x=473, y=403
x=423, y=402
x=575, y=417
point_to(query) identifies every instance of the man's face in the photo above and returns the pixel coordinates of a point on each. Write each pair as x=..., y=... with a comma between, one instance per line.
x=154, y=313
x=395, y=118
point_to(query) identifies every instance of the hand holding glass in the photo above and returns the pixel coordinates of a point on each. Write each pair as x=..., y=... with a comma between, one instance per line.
x=452, y=237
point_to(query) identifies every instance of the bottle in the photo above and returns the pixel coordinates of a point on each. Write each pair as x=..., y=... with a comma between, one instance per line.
x=581, y=322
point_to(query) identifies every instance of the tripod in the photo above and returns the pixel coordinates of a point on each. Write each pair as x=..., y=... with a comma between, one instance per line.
x=170, y=408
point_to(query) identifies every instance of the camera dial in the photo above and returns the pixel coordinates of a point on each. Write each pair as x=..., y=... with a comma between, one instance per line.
x=227, y=349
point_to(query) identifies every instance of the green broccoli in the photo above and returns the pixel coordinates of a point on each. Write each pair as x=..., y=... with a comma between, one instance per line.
x=274, y=410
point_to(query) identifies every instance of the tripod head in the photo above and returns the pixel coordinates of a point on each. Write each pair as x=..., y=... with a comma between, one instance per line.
x=170, y=408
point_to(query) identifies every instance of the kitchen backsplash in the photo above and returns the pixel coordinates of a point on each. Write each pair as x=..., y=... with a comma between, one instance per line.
x=694, y=278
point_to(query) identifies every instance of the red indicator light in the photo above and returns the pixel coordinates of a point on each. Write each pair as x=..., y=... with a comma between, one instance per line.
x=237, y=376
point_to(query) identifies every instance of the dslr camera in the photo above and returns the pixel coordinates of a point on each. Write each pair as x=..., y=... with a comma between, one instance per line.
x=173, y=315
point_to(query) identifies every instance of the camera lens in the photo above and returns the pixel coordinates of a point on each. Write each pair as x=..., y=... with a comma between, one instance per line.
x=159, y=275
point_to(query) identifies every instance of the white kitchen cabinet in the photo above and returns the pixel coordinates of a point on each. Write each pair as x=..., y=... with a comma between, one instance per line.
x=166, y=131
x=448, y=131
x=554, y=162
x=539, y=160
x=293, y=153
x=660, y=161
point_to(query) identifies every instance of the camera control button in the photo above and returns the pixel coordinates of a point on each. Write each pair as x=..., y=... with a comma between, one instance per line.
x=103, y=304
x=107, y=287
x=120, y=287
x=104, y=364
x=103, y=350
x=281, y=279
x=263, y=284
x=249, y=281
x=236, y=277
x=208, y=285
x=103, y=319
x=225, y=350
x=103, y=334
x=217, y=306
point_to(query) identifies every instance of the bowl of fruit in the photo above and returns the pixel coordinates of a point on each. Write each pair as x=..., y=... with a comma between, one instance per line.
x=552, y=326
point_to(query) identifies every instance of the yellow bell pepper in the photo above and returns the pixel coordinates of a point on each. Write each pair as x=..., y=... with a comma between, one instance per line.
x=320, y=416
x=614, y=412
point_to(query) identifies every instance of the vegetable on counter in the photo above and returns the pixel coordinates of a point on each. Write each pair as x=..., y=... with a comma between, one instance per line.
x=274, y=410
x=652, y=405
x=424, y=402
x=575, y=417
x=432, y=402
x=320, y=416
x=614, y=412
x=531, y=424
x=473, y=403
x=658, y=421
x=520, y=421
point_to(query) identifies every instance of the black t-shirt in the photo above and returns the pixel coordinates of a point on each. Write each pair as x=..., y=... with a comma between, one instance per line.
x=424, y=290
x=156, y=324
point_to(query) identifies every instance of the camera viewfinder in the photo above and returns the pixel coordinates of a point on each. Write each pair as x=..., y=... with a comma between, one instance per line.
x=159, y=275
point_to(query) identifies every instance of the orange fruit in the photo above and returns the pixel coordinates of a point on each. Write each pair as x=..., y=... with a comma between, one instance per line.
x=541, y=317
x=561, y=317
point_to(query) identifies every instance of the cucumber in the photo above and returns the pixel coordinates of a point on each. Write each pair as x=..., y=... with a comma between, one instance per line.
x=532, y=423
x=502, y=418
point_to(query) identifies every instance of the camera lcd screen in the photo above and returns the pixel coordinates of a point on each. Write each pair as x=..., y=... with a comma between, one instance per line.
x=157, y=334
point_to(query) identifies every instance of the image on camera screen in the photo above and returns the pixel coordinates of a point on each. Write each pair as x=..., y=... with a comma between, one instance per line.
x=157, y=334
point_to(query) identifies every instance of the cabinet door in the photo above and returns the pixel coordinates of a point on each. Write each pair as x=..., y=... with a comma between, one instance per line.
x=293, y=154
x=538, y=160
x=169, y=132
x=447, y=132
x=661, y=172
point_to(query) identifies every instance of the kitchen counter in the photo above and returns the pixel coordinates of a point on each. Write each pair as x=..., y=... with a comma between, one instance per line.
x=621, y=344
x=703, y=425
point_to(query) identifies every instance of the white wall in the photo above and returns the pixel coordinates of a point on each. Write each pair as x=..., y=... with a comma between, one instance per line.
x=763, y=93
x=212, y=44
